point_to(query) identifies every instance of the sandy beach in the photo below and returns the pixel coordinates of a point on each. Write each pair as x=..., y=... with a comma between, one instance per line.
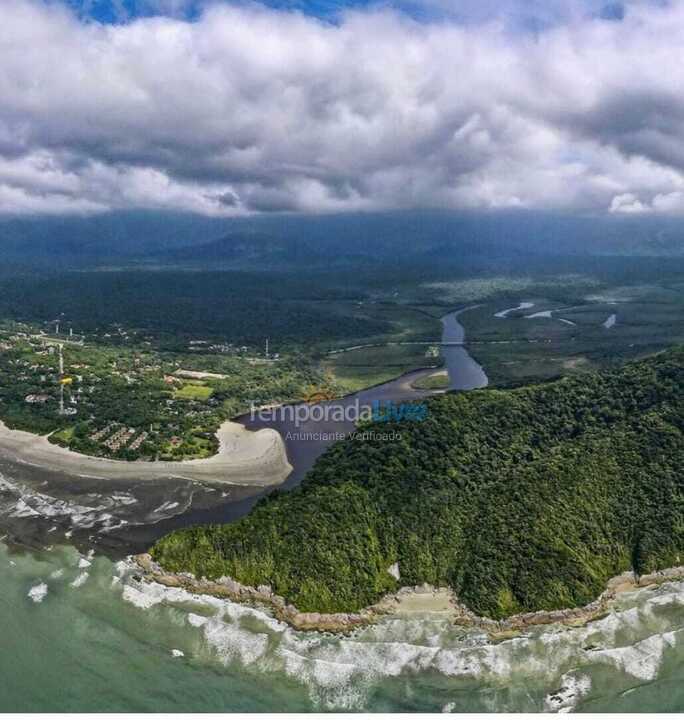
x=407, y=601
x=244, y=458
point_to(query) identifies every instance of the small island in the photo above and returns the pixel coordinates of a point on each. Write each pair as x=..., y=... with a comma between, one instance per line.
x=516, y=500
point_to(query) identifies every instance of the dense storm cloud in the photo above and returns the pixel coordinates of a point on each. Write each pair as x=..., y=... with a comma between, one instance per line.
x=248, y=109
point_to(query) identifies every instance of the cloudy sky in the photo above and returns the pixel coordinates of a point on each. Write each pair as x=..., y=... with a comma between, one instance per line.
x=230, y=108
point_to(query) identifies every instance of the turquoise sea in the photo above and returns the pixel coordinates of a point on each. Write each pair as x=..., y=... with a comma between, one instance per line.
x=80, y=633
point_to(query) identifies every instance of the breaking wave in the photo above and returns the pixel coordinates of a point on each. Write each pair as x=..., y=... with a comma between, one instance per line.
x=20, y=501
x=102, y=512
x=38, y=592
x=341, y=673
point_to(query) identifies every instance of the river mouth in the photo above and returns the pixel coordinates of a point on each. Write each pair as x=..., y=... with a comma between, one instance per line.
x=40, y=506
x=205, y=654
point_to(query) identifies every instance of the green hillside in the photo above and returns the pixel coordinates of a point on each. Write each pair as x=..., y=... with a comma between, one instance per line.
x=519, y=500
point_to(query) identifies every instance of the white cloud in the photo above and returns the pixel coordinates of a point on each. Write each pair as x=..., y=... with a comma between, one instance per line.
x=251, y=110
x=672, y=202
x=628, y=203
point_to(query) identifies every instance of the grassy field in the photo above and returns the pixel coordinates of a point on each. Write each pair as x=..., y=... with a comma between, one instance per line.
x=193, y=391
x=412, y=322
x=486, y=288
x=363, y=367
x=64, y=436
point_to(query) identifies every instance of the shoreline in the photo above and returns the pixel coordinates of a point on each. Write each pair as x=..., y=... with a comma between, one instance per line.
x=421, y=599
x=245, y=457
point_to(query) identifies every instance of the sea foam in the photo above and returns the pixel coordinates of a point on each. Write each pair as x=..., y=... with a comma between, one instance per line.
x=38, y=592
x=341, y=672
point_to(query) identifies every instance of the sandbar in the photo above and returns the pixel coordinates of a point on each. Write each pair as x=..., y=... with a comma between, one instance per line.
x=244, y=458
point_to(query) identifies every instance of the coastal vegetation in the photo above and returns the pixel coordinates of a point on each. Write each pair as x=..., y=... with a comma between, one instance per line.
x=136, y=402
x=519, y=500
x=272, y=336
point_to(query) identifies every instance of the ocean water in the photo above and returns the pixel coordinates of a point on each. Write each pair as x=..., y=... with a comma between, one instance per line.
x=81, y=633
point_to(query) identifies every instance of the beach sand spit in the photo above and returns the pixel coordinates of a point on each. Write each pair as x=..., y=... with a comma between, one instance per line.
x=244, y=458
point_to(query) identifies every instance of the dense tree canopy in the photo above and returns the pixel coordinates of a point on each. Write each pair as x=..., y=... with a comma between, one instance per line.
x=519, y=500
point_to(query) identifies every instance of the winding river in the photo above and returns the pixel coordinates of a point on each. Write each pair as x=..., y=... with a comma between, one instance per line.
x=464, y=372
x=306, y=441
x=100, y=640
x=135, y=514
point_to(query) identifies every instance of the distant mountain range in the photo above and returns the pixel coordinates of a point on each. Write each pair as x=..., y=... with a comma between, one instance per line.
x=275, y=241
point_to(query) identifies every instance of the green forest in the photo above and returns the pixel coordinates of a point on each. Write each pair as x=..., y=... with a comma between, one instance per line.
x=174, y=307
x=519, y=500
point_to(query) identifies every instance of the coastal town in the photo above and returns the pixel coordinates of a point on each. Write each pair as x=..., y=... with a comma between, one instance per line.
x=135, y=402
